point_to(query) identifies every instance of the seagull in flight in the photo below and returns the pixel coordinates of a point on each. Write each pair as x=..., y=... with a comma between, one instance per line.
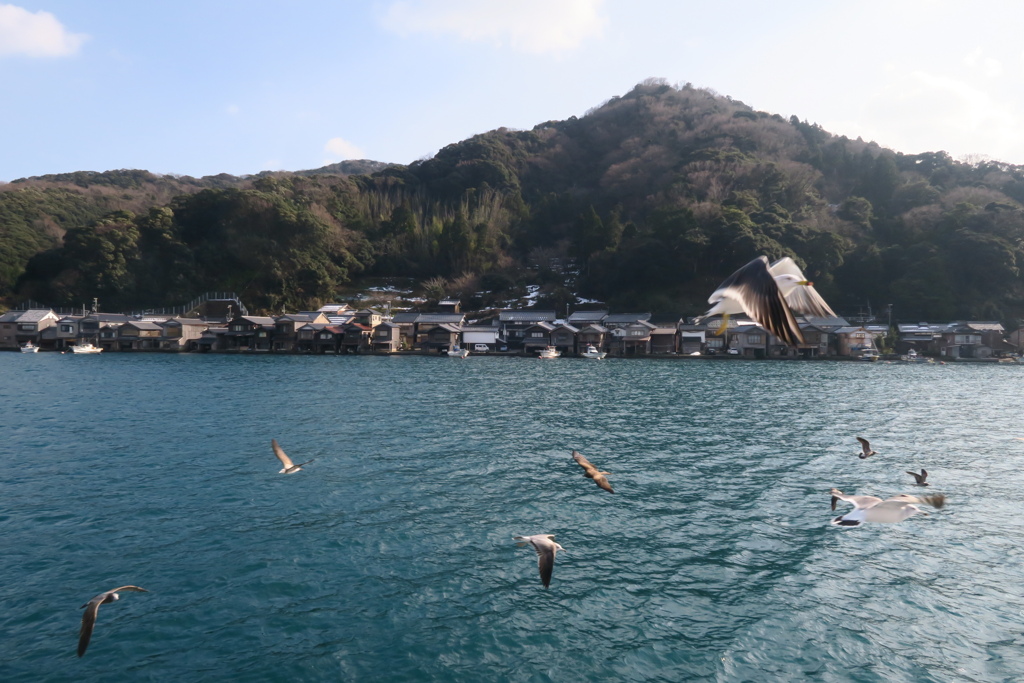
x=865, y=448
x=92, y=608
x=769, y=294
x=288, y=467
x=888, y=511
x=919, y=478
x=592, y=472
x=546, y=549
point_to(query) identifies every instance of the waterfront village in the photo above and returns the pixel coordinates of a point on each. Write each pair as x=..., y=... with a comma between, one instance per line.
x=220, y=323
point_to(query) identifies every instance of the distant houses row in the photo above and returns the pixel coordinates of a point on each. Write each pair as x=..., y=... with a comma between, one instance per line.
x=337, y=329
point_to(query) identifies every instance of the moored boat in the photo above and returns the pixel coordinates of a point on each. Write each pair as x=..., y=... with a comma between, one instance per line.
x=29, y=347
x=592, y=352
x=456, y=352
x=549, y=352
x=85, y=347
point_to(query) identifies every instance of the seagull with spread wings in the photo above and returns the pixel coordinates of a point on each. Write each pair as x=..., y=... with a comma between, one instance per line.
x=888, y=511
x=546, y=549
x=769, y=294
x=288, y=467
x=591, y=472
x=92, y=609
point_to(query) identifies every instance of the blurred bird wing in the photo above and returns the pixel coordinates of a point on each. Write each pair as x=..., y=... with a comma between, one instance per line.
x=858, y=502
x=803, y=299
x=864, y=444
x=754, y=289
x=285, y=460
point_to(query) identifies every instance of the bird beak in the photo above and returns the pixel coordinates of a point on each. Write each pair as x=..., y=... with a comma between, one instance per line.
x=806, y=282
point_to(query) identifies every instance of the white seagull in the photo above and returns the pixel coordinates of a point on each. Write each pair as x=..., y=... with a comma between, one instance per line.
x=546, y=549
x=888, y=511
x=769, y=295
x=92, y=608
x=288, y=466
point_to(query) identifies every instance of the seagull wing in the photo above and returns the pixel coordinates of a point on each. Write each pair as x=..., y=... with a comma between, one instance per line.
x=937, y=501
x=286, y=462
x=864, y=445
x=602, y=481
x=858, y=502
x=755, y=290
x=581, y=461
x=92, y=609
x=545, y=557
x=803, y=299
x=89, y=622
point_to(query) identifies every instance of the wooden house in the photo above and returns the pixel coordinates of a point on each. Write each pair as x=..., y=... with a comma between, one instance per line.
x=61, y=335
x=665, y=339
x=593, y=334
x=563, y=338
x=853, y=341
x=513, y=325
x=692, y=338
x=443, y=337
x=580, y=319
x=386, y=338
x=536, y=337
x=19, y=327
x=749, y=340
x=328, y=339
x=356, y=338
x=286, y=328
x=249, y=333
x=138, y=335
x=181, y=334
x=631, y=339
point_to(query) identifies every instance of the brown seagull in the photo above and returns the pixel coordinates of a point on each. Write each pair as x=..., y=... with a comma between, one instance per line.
x=592, y=472
x=288, y=466
x=92, y=608
x=546, y=549
x=919, y=478
x=865, y=449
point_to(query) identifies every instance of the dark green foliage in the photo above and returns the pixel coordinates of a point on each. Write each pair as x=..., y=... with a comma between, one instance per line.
x=648, y=201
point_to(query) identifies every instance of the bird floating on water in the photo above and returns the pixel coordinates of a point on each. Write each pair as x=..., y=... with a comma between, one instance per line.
x=592, y=472
x=546, y=549
x=865, y=448
x=288, y=466
x=919, y=479
x=888, y=511
x=769, y=295
x=92, y=608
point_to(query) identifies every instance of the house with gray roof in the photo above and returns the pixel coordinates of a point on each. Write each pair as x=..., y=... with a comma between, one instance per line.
x=19, y=327
x=513, y=324
x=583, y=318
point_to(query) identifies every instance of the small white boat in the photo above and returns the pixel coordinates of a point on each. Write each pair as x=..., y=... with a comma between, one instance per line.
x=456, y=352
x=85, y=347
x=549, y=352
x=29, y=347
x=592, y=352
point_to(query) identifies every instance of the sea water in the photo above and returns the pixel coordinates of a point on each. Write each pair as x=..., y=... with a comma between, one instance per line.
x=390, y=557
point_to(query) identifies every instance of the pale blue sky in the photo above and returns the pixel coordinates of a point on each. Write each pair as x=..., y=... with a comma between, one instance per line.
x=241, y=86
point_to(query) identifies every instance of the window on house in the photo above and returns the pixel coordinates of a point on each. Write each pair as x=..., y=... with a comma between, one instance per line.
x=536, y=334
x=755, y=339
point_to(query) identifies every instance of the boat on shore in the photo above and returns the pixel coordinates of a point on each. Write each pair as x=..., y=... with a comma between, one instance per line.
x=549, y=352
x=592, y=352
x=29, y=347
x=85, y=347
x=456, y=352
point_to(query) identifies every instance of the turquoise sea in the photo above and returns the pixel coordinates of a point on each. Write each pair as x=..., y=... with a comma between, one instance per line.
x=390, y=558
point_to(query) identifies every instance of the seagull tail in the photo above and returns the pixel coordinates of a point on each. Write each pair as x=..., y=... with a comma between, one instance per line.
x=839, y=521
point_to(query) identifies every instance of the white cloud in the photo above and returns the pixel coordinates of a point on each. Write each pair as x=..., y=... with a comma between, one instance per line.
x=342, y=149
x=532, y=26
x=36, y=34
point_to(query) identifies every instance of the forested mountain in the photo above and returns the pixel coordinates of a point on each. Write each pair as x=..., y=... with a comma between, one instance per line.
x=646, y=202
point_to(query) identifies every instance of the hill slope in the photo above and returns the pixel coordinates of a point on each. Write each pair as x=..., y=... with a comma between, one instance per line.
x=647, y=201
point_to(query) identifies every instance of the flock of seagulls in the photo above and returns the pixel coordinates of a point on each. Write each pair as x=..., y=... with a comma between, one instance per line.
x=890, y=510
x=769, y=294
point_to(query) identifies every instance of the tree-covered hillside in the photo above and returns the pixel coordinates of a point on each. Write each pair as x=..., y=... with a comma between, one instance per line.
x=646, y=202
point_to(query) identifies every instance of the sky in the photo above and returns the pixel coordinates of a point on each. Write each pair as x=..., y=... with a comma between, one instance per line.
x=201, y=87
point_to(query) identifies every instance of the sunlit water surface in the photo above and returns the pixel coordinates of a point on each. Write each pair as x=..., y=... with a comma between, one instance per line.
x=390, y=558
